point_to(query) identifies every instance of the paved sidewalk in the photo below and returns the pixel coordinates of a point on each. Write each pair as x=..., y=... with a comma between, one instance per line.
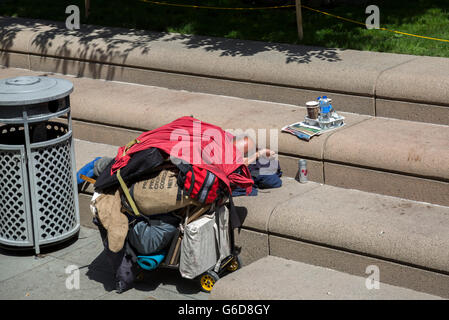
x=23, y=276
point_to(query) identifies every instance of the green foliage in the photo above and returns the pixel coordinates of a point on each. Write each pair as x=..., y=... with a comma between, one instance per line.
x=422, y=17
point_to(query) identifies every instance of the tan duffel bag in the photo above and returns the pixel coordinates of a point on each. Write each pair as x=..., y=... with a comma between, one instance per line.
x=157, y=194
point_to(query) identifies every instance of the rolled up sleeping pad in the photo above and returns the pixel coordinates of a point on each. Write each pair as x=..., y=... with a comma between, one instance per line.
x=150, y=262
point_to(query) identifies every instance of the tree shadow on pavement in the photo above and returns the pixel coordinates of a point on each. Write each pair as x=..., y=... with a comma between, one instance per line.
x=53, y=39
x=106, y=46
x=246, y=48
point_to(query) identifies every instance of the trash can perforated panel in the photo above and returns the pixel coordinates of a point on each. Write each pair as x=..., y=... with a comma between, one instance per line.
x=54, y=190
x=14, y=219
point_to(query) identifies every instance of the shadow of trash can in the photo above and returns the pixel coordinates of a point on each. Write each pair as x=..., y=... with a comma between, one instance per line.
x=38, y=191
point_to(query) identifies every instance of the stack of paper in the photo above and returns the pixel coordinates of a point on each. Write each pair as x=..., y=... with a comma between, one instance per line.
x=302, y=130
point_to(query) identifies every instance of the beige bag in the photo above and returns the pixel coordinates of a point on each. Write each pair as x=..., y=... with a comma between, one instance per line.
x=158, y=194
x=116, y=223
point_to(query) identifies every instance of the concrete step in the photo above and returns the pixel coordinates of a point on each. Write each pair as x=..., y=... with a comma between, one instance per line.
x=273, y=278
x=386, y=156
x=372, y=83
x=343, y=229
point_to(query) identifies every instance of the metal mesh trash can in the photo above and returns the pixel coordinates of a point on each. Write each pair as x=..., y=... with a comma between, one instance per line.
x=38, y=190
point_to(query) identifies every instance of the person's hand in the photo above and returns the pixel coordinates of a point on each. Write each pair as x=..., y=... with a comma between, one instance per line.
x=266, y=153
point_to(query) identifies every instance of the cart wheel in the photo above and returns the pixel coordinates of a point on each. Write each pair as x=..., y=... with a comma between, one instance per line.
x=235, y=264
x=208, y=280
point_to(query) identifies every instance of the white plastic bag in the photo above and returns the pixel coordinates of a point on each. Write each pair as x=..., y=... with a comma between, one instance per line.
x=205, y=244
x=198, y=248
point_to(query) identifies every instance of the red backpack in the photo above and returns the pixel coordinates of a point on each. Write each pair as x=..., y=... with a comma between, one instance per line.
x=199, y=184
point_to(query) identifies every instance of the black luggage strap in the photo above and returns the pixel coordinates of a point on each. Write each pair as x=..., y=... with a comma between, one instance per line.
x=179, y=194
x=183, y=170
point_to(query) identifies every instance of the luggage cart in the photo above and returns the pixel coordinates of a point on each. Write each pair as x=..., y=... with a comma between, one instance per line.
x=208, y=278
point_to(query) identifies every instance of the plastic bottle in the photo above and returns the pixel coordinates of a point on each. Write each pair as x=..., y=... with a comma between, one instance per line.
x=325, y=108
x=325, y=104
x=331, y=110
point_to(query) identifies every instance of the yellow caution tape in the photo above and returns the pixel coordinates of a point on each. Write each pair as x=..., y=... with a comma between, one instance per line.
x=290, y=6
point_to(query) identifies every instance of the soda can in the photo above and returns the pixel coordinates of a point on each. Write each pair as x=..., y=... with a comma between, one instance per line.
x=302, y=164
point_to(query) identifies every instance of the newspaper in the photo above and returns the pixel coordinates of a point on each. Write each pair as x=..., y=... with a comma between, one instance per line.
x=305, y=132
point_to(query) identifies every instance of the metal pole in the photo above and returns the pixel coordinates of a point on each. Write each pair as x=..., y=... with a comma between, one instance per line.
x=73, y=161
x=31, y=184
x=87, y=7
x=299, y=20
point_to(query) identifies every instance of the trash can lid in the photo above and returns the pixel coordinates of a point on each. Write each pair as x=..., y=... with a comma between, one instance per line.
x=27, y=90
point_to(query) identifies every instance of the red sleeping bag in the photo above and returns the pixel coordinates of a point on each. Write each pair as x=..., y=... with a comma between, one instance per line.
x=205, y=151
